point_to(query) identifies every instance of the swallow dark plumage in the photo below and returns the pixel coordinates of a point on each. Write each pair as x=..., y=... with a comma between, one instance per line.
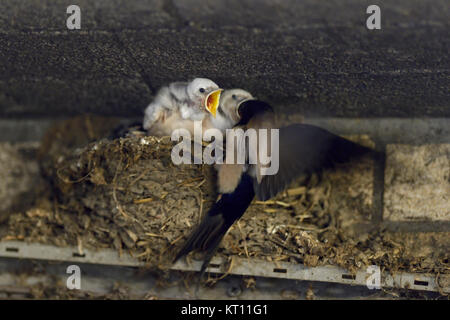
x=303, y=149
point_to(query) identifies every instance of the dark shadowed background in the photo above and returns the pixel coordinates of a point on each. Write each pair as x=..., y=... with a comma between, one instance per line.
x=311, y=57
x=307, y=58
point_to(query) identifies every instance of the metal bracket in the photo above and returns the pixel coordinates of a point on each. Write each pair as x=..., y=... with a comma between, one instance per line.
x=241, y=266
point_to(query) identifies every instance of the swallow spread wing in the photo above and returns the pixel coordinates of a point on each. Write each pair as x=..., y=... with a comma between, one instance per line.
x=303, y=150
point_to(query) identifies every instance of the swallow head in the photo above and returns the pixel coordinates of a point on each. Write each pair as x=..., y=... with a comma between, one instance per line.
x=231, y=100
x=199, y=89
x=248, y=109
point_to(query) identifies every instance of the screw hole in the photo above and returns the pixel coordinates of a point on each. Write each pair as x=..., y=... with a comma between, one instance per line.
x=420, y=283
x=76, y=254
x=348, y=276
x=280, y=270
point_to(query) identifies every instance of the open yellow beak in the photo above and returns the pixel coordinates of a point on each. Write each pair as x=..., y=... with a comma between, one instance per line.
x=212, y=101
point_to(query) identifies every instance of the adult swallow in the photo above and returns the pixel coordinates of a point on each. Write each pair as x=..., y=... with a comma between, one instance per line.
x=223, y=115
x=178, y=105
x=303, y=150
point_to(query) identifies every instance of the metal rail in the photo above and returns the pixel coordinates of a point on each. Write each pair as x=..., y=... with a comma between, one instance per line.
x=241, y=266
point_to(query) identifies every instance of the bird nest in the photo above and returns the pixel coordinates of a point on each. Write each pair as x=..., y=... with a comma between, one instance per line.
x=128, y=195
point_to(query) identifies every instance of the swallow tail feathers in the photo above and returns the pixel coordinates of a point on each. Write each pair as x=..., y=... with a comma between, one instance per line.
x=208, y=235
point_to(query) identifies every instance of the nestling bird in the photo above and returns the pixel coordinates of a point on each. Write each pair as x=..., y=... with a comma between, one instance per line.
x=303, y=149
x=178, y=105
x=223, y=115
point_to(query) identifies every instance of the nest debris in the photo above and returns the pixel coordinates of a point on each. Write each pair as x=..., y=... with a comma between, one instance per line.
x=128, y=195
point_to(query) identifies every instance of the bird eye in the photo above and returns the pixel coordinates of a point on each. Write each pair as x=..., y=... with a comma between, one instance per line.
x=202, y=90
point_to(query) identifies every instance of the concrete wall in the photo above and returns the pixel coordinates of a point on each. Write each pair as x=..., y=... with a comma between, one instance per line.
x=310, y=57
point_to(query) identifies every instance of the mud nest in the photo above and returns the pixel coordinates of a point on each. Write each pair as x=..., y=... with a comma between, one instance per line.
x=127, y=194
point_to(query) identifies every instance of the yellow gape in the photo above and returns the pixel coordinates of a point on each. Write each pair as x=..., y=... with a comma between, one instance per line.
x=212, y=101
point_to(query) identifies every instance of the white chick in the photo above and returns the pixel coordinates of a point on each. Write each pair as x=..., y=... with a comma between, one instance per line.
x=178, y=105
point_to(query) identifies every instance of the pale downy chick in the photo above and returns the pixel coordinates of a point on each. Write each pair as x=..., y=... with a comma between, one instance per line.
x=177, y=106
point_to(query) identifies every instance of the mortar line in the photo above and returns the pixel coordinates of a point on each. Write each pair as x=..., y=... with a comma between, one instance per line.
x=312, y=26
x=408, y=226
x=378, y=182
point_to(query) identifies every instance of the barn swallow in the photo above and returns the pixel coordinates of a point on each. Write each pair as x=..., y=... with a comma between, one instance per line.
x=223, y=115
x=178, y=105
x=303, y=150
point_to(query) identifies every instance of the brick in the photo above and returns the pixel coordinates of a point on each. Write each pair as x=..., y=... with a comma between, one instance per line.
x=417, y=182
x=19, y=177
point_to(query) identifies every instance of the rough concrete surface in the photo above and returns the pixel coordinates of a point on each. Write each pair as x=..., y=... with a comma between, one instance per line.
x=311, y=57
x=417, y=182
x=19, y=177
